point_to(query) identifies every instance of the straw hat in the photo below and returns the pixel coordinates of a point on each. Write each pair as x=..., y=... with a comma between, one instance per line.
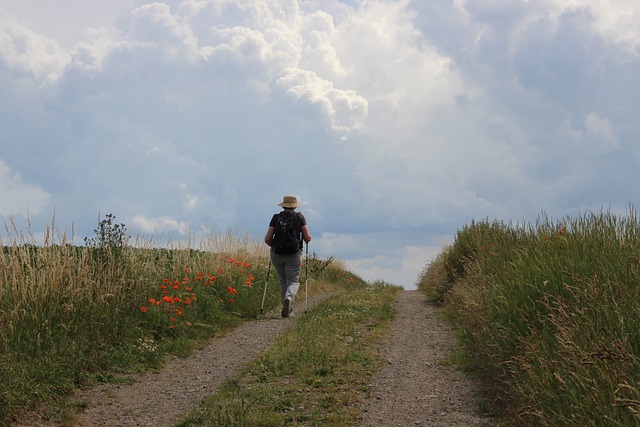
x=289, y=202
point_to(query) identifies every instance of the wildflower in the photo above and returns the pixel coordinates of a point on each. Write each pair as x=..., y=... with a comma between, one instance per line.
x=143, y=309
x=187, y=269
x=231, y=300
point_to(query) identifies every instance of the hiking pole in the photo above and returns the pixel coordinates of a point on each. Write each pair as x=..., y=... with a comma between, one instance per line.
x=266, y=282
x=306, y=279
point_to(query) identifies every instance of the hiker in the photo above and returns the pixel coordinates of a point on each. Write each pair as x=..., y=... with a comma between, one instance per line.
x=287, y=230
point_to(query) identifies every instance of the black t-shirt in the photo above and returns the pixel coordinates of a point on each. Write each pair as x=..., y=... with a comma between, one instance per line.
x=298, y=220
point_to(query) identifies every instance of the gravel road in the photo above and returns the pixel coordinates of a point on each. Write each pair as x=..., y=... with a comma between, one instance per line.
x=416, y=387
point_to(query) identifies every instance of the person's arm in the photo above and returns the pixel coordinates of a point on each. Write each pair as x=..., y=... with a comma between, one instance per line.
x=305, y=233
x=269, y=236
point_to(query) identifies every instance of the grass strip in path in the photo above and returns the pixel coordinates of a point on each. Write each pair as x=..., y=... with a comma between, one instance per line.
x=314, y=372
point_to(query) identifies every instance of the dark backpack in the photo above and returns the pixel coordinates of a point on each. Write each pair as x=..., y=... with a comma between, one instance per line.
x=286, y=240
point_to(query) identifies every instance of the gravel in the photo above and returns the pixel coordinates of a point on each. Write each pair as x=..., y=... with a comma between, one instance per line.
x=416, y=387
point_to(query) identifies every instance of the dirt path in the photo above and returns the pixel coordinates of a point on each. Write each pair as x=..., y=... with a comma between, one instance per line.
x=413, y=389
x=161, y=399
x=416, y=388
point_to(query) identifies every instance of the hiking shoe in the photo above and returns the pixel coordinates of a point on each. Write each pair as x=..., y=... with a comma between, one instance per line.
x=286, y=307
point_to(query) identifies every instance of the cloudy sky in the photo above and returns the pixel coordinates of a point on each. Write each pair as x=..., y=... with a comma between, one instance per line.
x=394, y=122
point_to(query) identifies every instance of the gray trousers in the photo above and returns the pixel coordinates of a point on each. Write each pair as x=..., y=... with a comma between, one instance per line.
x=288, y=269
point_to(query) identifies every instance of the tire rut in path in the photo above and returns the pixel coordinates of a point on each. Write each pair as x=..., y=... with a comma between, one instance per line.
x=415, y=387
x=162, y=398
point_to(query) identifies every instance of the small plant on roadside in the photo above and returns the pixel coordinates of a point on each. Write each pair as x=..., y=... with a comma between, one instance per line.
x=109, y=234
x=110, y=240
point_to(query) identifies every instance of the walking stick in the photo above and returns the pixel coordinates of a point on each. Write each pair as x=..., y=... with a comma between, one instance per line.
x=266, y=283
x=306, y=280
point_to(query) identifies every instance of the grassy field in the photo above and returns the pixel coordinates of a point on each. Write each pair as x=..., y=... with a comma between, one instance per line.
x=72, y=316
x=548, y=315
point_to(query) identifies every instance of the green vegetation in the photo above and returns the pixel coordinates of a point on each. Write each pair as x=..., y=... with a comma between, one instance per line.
x=548, y=315
x=72, y=316
x=314, y=373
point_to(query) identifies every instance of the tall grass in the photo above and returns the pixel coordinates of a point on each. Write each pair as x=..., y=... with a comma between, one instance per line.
x=72, y=315
x=549, y=314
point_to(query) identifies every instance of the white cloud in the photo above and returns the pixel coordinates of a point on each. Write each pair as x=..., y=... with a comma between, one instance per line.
x=400, y=266
x=19, y=197
x=24, y=52
x=160, y=225
x=154, y=25
x=395, y=121
x=191, y=202
x=344, y=110
x=600, y=129
x=616, y=20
